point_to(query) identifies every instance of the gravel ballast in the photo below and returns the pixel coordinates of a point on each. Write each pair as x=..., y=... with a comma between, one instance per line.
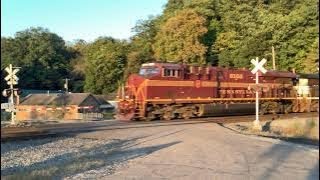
x=64, y=157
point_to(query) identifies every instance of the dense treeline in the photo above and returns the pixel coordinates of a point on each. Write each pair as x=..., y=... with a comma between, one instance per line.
x=217, y=32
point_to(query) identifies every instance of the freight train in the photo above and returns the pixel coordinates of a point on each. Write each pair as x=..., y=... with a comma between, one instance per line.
x=168, y=91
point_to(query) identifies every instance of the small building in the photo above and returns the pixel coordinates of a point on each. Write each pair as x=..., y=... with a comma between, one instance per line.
x=105, y=106
x=71, y=106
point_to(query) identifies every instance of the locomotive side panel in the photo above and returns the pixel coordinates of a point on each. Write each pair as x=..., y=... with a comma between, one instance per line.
x=172, y=90
x=233, y=83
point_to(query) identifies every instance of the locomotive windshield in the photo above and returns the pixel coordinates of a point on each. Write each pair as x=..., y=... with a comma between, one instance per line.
x=149, y=71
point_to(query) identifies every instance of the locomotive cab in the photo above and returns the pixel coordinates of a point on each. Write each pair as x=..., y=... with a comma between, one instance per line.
x=161, y=70
x=149, y=70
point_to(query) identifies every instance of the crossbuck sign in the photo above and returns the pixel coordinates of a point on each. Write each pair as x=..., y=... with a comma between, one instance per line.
x=258, y=67
x=11, y=78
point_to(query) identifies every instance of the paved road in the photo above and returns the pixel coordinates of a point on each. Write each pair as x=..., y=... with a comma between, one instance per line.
x=203, y=151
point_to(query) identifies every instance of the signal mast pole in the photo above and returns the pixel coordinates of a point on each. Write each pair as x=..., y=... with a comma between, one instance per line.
x=13, y=115
x=66, y=85
x=257, y=122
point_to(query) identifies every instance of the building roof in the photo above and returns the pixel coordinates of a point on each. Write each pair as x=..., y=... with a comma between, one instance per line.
x=101, y=99
x=55, y=99
x=26, y=92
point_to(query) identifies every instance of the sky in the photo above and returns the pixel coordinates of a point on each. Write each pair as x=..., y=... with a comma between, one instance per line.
x=77, y=19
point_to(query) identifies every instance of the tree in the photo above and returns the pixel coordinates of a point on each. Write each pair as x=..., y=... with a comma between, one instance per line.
x=255, y=26
x=105, y=60
x=140, y=49
x=42, y=56
x=77, y=63
x=179, y=39
x=296, y=34
x=311, y=61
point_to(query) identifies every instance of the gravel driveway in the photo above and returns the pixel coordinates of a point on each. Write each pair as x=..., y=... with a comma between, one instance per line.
x=197, y=151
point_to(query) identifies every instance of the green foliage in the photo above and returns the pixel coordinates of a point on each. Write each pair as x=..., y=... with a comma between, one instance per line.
x=172, y=7
x=105, y=60
x=141, y=44
x=225, y=33
x=255, y=26
x=77, y=74
x=42, y=56
x=179, y=39
x=312, y=58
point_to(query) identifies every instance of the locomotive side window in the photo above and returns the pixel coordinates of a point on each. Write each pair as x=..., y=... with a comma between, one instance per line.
x=179, y=73
x=166, y=72
x=171, y=73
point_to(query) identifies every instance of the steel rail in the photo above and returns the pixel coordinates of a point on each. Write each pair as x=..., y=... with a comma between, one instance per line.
x=16, y=133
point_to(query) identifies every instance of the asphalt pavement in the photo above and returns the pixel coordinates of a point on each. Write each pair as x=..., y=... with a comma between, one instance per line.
x=205, y=151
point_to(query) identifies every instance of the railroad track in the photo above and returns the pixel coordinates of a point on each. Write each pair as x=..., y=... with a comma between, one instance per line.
x=47, y=130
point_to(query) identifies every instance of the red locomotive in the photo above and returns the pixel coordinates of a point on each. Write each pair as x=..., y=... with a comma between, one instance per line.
x=167, y=91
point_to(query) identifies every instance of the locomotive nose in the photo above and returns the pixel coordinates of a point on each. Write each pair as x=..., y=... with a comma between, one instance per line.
x=125, y=111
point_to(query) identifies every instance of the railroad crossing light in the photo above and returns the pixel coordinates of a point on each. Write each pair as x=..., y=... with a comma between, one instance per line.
x=6, y=92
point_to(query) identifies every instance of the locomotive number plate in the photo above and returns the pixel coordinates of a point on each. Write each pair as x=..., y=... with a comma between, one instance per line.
x=236, y=76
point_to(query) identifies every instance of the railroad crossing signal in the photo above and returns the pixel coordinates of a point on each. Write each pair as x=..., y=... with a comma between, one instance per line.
x=11, y=79
x=258, y=67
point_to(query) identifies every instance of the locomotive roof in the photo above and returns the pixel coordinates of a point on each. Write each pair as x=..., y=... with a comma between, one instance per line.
x=161, y=64
x=269, y=73
x=280, y=74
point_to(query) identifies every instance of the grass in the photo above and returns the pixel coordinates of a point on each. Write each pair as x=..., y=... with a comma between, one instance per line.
x=291, y=128
x=302, y=130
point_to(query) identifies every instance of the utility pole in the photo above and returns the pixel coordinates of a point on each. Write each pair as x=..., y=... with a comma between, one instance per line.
x=273, y=59
x=66, y=84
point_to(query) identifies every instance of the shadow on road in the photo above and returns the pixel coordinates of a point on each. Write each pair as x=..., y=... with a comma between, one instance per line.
x=279, y=155
x=105, y=156
x=314, y=172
